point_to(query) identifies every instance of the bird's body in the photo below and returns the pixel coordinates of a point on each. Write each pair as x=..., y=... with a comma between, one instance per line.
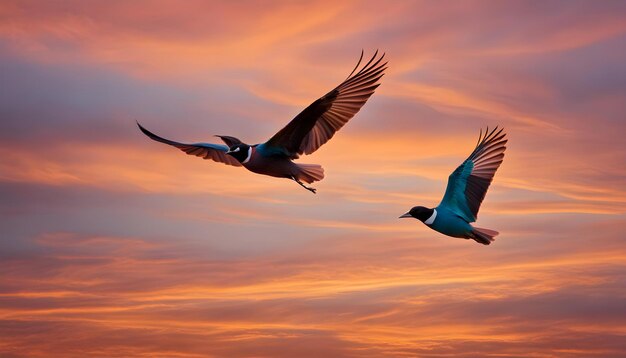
x=448, y=223
x=308, y=131
x=466, y=189
x=281, y=166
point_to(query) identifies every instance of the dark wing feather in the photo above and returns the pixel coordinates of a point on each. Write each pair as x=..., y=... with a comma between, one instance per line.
x=230, y=141
x=468, y=184
x=215, y=152
x=317, y=123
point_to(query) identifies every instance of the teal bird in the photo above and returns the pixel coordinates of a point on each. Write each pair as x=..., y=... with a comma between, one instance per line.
x=467, y=187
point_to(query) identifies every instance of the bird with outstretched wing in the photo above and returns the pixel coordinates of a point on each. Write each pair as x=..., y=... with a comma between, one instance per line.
x=467, y=187
x=308, y=131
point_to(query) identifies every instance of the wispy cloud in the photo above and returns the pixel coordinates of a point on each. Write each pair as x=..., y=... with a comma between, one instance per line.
x=114, y=245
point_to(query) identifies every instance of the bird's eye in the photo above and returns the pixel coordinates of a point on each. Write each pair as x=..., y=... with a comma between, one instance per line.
x=236, y=149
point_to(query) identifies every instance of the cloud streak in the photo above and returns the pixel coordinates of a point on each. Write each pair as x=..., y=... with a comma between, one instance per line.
x=113, y=245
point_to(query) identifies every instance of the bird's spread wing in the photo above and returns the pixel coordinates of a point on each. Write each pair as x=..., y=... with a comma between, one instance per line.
x=468, y=184
x=317, y=123
x=216, y=152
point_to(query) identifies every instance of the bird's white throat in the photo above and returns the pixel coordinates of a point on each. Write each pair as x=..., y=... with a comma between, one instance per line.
x=249, y=155
x=431, y=219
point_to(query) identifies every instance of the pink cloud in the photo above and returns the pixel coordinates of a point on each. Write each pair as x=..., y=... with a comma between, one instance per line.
x=113, y=245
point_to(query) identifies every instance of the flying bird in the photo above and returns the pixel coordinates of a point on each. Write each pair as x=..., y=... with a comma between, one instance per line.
x=308, y=131
x=467, y=187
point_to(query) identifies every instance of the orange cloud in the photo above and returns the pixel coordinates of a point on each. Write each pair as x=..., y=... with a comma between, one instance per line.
x=113, y=245
x=375, y=305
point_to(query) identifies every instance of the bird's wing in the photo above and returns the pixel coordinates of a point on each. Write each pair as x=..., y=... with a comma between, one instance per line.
x=230, y=141
x=216, y=152
x=468, y=184
x=317, y=123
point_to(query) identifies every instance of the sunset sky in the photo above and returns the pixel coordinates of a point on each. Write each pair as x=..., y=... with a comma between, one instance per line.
x=114, y=245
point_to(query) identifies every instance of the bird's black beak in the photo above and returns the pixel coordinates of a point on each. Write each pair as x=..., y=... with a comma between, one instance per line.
x=407, y=215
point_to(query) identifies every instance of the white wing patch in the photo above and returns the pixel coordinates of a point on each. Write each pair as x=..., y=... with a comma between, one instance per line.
x=432, y=218
x=249, y=155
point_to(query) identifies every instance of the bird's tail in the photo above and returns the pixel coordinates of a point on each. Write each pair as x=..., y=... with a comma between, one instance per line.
x=309, y=173
x=483, y=236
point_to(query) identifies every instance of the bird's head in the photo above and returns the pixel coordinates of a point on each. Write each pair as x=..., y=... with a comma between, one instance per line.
x=236, y=148
x=419, y=212
x=240, y=151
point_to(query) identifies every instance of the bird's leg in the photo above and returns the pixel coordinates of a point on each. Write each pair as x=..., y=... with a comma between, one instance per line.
x=312, y=190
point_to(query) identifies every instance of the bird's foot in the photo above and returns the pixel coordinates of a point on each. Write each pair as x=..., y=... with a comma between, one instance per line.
x=312, y=190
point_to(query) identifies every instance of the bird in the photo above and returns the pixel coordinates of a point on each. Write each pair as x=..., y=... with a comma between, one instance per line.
x=466, y=189
x=304, y=134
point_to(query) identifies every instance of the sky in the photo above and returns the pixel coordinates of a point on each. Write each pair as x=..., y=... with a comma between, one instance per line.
x=114, y=245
